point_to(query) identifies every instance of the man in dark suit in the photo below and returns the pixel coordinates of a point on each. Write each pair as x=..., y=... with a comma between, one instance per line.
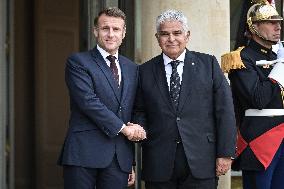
x=184, y=103
x=97, y=151
x=257, y=86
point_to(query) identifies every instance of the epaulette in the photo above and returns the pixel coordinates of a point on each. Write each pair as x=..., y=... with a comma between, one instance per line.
x=232, y=60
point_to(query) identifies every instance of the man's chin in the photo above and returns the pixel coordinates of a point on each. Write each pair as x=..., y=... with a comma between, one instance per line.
x=274, y=42
x=276, y=39
x=111, y=48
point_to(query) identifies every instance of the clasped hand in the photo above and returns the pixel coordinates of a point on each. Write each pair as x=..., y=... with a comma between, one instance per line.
x=134, y=132
x=223, y=165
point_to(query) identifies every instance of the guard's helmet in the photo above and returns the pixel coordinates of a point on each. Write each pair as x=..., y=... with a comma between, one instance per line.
x=261, y=12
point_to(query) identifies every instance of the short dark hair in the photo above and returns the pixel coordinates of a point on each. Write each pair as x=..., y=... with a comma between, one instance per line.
x=113, y=12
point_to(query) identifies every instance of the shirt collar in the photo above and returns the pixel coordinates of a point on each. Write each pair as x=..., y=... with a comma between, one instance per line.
x=105, y=53
x=167, y=59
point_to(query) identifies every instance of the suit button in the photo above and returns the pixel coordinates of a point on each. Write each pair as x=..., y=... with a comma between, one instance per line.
x=120, y=108
x=178, y=118
x=177, y=141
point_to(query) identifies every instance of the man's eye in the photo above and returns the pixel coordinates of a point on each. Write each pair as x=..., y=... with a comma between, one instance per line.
x=164, y=34
x=116, y=29
x=105, y=28
x=177, y=33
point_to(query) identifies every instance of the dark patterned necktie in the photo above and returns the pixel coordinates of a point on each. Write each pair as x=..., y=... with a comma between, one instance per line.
x=113, y=68
x=175, y=83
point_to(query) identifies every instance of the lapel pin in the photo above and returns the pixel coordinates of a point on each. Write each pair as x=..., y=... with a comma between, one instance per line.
x=193, y=63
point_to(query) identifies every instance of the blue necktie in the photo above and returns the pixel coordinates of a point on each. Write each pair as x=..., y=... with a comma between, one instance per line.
x=175, y=83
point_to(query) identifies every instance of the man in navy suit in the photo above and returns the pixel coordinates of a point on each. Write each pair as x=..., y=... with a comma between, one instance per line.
x=185, y=105
x=98, y=152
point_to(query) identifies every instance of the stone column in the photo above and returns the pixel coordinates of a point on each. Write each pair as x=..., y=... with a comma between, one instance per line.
x=3, y=93
x=209, y=23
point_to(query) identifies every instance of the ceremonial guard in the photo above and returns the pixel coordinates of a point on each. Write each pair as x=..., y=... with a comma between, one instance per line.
x=256, y=74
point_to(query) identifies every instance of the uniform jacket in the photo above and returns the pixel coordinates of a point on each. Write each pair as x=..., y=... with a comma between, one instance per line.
x=98, y=110
x=204, y=120
x=252, y=89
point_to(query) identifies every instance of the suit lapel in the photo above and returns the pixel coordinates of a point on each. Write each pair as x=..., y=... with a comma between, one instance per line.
x=161, y=81
x=124, y=79
x=106, y=71
x=187, y=79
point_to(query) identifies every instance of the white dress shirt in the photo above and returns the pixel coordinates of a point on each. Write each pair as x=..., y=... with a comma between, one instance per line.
x=168, y=66
x=105, y=55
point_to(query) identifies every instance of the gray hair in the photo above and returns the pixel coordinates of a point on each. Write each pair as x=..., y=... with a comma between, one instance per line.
x=172, y=15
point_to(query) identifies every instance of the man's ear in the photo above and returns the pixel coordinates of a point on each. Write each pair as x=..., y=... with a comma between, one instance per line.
x=124, y=33
x=95, y=32
x=188, y=34
x=157, y=36
x=256, y=25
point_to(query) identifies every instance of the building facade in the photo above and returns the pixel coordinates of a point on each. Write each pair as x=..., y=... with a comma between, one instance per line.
x=37, y=36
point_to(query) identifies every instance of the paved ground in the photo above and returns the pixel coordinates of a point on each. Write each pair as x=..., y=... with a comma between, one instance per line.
x=236, y=183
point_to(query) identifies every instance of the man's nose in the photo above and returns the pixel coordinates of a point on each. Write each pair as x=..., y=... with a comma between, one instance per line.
x=171, y=37
x=278, y=25
x=110, y=32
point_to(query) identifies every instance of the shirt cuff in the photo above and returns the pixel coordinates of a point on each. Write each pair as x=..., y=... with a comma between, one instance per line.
x=121, y=128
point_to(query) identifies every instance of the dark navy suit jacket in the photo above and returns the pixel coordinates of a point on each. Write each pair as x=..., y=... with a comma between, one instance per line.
x=98, y=110
x=204, y=120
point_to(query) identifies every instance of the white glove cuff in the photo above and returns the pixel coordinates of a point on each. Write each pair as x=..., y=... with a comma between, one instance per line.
x=277, y=73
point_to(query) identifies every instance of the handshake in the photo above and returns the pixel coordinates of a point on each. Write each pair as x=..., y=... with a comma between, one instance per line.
x=134, y=132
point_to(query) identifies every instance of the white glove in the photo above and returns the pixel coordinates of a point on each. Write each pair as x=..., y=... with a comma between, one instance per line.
x=280, y=52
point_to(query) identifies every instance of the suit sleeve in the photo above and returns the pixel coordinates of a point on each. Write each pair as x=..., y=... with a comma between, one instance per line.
x=139, y=114
x=82, y=92
x=224, y=113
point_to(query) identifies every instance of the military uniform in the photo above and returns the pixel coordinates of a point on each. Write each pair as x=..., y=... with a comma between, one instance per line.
x=252, y=89
x=257, y=81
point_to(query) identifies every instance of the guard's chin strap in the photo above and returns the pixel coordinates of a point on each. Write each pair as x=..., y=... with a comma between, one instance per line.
x=257, y=33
